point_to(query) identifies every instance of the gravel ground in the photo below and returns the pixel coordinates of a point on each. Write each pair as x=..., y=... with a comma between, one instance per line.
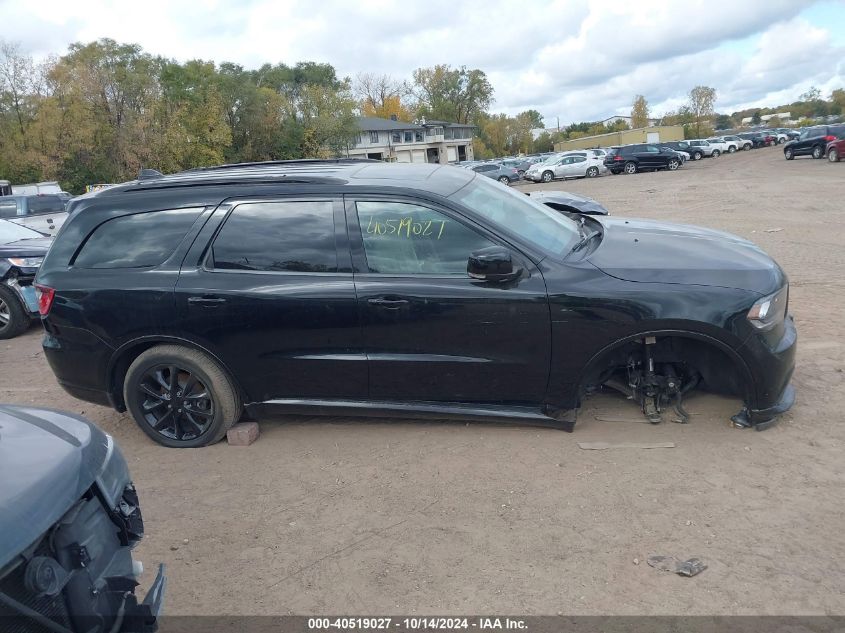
x=357, y=516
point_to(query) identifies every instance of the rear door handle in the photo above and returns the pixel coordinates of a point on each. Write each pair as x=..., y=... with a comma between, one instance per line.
x=387, y=303
x=207, y=301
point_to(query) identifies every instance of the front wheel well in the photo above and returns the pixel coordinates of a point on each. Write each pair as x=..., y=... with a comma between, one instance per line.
x=720, y=369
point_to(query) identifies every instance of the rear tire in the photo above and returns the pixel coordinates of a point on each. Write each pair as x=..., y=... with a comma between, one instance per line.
x=731, y=149
x=592, y=172
x=630, y=168
x=818, y=152
x=504, y=180
x=833, y=155
x=788, y=154
x=697, y=155
x=210, y=408
x=13, y=318
x=716, y=153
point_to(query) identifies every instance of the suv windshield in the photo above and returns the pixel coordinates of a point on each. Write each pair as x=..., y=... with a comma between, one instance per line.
x=535, y=223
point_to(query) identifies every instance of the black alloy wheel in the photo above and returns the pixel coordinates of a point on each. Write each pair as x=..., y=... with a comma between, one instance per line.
x=175, y=403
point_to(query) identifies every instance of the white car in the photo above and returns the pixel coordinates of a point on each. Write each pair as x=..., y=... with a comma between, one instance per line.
x=738, y=143
x=567, y=165
x=723, y=145
x=699, y=148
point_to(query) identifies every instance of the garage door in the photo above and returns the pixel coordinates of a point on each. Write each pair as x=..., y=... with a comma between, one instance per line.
x=652, y=137
x=418, y=156
x=403, y=156
x=452, y=154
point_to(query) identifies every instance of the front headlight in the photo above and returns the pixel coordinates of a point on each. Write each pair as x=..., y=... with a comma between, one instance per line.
x=769, y=311
x=26, y=262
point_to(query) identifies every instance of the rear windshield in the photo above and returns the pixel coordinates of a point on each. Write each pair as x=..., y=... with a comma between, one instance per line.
x=45, y=204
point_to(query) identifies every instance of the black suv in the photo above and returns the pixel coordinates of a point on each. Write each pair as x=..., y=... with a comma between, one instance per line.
x=640, y=157
x=395, y=289
x=812, y=141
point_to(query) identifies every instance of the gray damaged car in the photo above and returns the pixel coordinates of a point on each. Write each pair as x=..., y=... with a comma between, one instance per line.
x=69, y=519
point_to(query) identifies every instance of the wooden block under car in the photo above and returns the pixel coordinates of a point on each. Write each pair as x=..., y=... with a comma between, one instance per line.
x=242, y=434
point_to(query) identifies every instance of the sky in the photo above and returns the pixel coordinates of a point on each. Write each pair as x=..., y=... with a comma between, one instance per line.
x=569, y=59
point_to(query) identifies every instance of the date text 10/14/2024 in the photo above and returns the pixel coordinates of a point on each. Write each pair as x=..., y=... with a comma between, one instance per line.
x=417, y=624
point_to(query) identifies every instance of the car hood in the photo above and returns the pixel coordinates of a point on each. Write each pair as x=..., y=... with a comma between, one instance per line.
x=36, y=247
x=48, y=459
x=658, y=252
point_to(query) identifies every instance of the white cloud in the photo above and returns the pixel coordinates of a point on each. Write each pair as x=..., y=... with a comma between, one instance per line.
x=577, y=60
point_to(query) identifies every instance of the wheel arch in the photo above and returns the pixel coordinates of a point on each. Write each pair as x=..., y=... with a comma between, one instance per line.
x=595, y=363
x=124, y=355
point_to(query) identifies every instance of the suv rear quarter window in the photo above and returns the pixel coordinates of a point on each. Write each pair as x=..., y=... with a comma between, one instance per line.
x=290, y=236
x=141, y=240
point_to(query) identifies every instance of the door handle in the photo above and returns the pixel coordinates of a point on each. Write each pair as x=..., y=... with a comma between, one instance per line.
x=206, y=301
x=386, y=303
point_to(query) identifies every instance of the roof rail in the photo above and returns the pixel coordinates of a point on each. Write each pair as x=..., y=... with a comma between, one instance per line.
x=282, y=163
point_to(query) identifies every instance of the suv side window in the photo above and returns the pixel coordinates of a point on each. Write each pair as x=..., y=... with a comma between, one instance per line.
x=652, y=149
x=289, y=236
x=8, y=208
x=407, y=239
x=40, y=205
x=140, y=240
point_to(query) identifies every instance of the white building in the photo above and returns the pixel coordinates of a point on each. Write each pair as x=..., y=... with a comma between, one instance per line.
x=423, y=142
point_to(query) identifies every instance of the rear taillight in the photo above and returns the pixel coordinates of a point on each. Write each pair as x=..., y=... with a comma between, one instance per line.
x=617, y=157
x=45, y=299
x=829, y=138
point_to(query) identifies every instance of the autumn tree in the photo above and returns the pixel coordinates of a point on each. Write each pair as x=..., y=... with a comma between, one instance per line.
x=457, y=95
x=639, y=112
x=381, y=96
x=702, y=100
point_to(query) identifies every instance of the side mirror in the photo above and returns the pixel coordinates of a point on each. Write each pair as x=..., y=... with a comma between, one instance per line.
x=493, y=263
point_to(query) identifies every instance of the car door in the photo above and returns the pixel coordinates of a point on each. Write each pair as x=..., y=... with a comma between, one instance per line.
x=268, y=288
x=563, y=169
x=431, y=332
x=578, y=167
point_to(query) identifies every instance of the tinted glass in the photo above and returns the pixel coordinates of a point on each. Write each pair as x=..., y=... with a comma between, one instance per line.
x=45, y=204
x=837, y=130
x=278, y=236
x=407, y=239
x=531, y=221
x=579, y=159
x=8, y=209
x=141, y=240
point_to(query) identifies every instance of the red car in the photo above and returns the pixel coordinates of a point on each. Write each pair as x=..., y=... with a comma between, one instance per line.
x=835, y=149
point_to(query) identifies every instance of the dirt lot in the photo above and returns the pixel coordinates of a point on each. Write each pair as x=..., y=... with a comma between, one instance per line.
x=358, y=517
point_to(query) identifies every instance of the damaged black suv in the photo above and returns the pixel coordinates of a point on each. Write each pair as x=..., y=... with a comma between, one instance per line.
x=346, y=287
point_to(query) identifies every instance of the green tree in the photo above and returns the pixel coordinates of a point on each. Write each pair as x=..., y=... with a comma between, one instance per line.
x=724, y=122
x=455, y=95
x=702, y=100
x=639, y=112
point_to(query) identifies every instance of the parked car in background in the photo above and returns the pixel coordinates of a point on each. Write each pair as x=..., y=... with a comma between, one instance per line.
x=5, y=188
x=570, y=203
x=835, y=149
x=21, y=253
x=189, y=297
x=790, y=133
x=812, y=141
x=36, y=188
x=42, y=212
x=641, y=157
x=737, y=142
x=699, y=148
x=497, y=171
x=756, y=139
x=682, y=155
x=568, y=165
x=70, y=519
x=599, y=152
x=723, y=144
x=521, y=165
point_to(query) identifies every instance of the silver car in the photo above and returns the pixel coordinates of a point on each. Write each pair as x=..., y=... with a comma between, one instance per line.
x=568, y=165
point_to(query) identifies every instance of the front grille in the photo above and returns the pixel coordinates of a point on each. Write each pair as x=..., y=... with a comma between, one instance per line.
x=11, y=621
